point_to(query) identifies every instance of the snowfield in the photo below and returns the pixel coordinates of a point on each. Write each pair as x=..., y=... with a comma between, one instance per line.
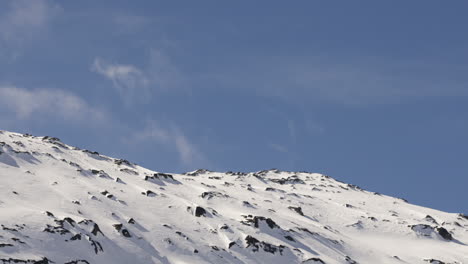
x=61, y=204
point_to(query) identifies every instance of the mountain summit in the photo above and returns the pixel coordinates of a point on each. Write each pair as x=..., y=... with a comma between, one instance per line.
x=62, y=204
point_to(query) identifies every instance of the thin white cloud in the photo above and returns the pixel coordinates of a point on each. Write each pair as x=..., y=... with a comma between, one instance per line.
x=136, y=85
x=24, y=20
x=27, y=104
x=172, y=136
x=129, y=81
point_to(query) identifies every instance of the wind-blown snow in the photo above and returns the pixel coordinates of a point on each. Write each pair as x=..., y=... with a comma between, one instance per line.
x=60, y=204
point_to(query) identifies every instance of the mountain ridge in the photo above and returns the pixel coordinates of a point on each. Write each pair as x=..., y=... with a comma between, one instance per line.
x=62, y=204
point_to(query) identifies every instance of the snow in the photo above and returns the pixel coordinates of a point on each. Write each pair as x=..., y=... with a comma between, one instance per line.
x=54, y=196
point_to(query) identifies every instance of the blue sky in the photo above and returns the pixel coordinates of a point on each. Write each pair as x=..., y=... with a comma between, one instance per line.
x=371, y=93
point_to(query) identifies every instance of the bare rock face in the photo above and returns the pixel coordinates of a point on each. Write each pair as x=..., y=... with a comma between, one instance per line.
x=200, y=211
x=444, y=233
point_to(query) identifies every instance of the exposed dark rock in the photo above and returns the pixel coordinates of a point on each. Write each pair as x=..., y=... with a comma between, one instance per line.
x=200, y=211
x=149, y=193
x=76, y=237
x=290, y=180
x=78, y=261
x=215, y=248
x=350, y=260
x=91, y=152
x=306, y=230
x=44, y=260
x=231, y=244
x=119, y=180
x=168, y=241
x=17, y=240
x=463, y=216
x=422, y=229
x=100, y=173
x=125, y=233
x=237, y=173
x=197, y=172
x=251, y=241
x=26, y=261
x=255, y=244
x=129, y=171
x=123, y=162
x=296, y=209
x=247, y=204
x=430, y=219
x=95, y=244
x=444, y=233
x=160, y=177
x=73, y=164
x=354, y=187
x=182, y=235
x=249, y=219
x=271, y=189
x=105, y=192
x=313, y=260
x=434, y=261
x=224, y=227
x=120, y=228
x=47, y=138
x=208, y=185
x=95, y=229
x=164, y=176
x=9, y=228
x=19, y=143
x=5, y=245
x=56, y=229
x=290, y=238
x=131, y=221
x=211, y=194
x=49, y=214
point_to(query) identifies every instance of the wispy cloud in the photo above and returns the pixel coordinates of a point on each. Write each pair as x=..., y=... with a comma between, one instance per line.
x=129, y=81
x=25, y=20
x=171, y=136
x=137, y=85
x=27, y=104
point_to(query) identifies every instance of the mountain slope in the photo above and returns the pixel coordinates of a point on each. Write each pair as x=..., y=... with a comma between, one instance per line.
x=61, y=204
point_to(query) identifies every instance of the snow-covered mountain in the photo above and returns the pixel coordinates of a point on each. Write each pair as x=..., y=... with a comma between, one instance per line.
x=62, y=204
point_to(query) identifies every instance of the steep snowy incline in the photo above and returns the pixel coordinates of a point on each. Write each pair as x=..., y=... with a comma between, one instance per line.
x=61, y=204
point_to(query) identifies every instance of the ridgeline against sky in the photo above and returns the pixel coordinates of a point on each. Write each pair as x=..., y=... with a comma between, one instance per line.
x=370, y=93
